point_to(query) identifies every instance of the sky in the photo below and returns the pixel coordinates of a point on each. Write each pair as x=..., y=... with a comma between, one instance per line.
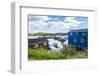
x=56, y=24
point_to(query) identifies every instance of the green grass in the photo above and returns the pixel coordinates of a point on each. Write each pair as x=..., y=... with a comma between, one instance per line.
x=68, y=53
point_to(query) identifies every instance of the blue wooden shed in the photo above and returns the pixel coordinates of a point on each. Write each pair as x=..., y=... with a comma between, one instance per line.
x=78, y=38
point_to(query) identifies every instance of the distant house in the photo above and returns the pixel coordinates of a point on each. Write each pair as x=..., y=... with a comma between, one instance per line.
x=38, y=42
x=78, y=38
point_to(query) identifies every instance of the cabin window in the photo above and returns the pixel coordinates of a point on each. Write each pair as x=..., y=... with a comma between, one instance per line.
x=75, y=40
x=83, y=33
x=76, y=33
x=71, y=33
x=82, y=40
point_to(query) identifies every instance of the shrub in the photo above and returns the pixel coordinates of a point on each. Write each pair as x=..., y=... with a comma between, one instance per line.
x=69, y=51
x=82, y=54
x=43, y=54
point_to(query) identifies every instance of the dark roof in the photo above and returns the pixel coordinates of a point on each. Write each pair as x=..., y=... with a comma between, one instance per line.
x=79, y=30
x=37, y=40
x=60, y=39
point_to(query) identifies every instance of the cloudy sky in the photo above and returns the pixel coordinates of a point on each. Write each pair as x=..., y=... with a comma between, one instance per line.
x=56, y=24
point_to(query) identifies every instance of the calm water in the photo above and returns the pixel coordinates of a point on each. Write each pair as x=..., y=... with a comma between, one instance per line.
x=32, y=37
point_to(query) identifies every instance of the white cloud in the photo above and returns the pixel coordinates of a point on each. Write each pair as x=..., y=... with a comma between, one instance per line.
x=71, y=21
x=38, y=18
x=47, y=26
x=56, y=19
x=37, y=23
x=49, y=18
x=40, y=24
x=58, y=25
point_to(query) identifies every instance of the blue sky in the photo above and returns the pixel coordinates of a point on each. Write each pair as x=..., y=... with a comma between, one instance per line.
x=56, y=24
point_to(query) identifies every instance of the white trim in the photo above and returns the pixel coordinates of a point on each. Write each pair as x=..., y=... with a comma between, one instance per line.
x=82, y=40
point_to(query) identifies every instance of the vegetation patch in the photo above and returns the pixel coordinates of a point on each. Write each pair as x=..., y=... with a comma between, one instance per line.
x=71, y=52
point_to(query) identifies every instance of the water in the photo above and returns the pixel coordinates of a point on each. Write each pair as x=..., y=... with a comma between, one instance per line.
x=56, y=45
x=32, y=37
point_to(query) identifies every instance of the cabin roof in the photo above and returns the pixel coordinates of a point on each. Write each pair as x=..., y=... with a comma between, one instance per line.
x=79, y=30
x=37, y=41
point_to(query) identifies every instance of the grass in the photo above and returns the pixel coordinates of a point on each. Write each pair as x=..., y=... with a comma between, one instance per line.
x=70, y=52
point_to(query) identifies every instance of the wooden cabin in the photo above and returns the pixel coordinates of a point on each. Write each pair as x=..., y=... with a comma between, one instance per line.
x=78, y=38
